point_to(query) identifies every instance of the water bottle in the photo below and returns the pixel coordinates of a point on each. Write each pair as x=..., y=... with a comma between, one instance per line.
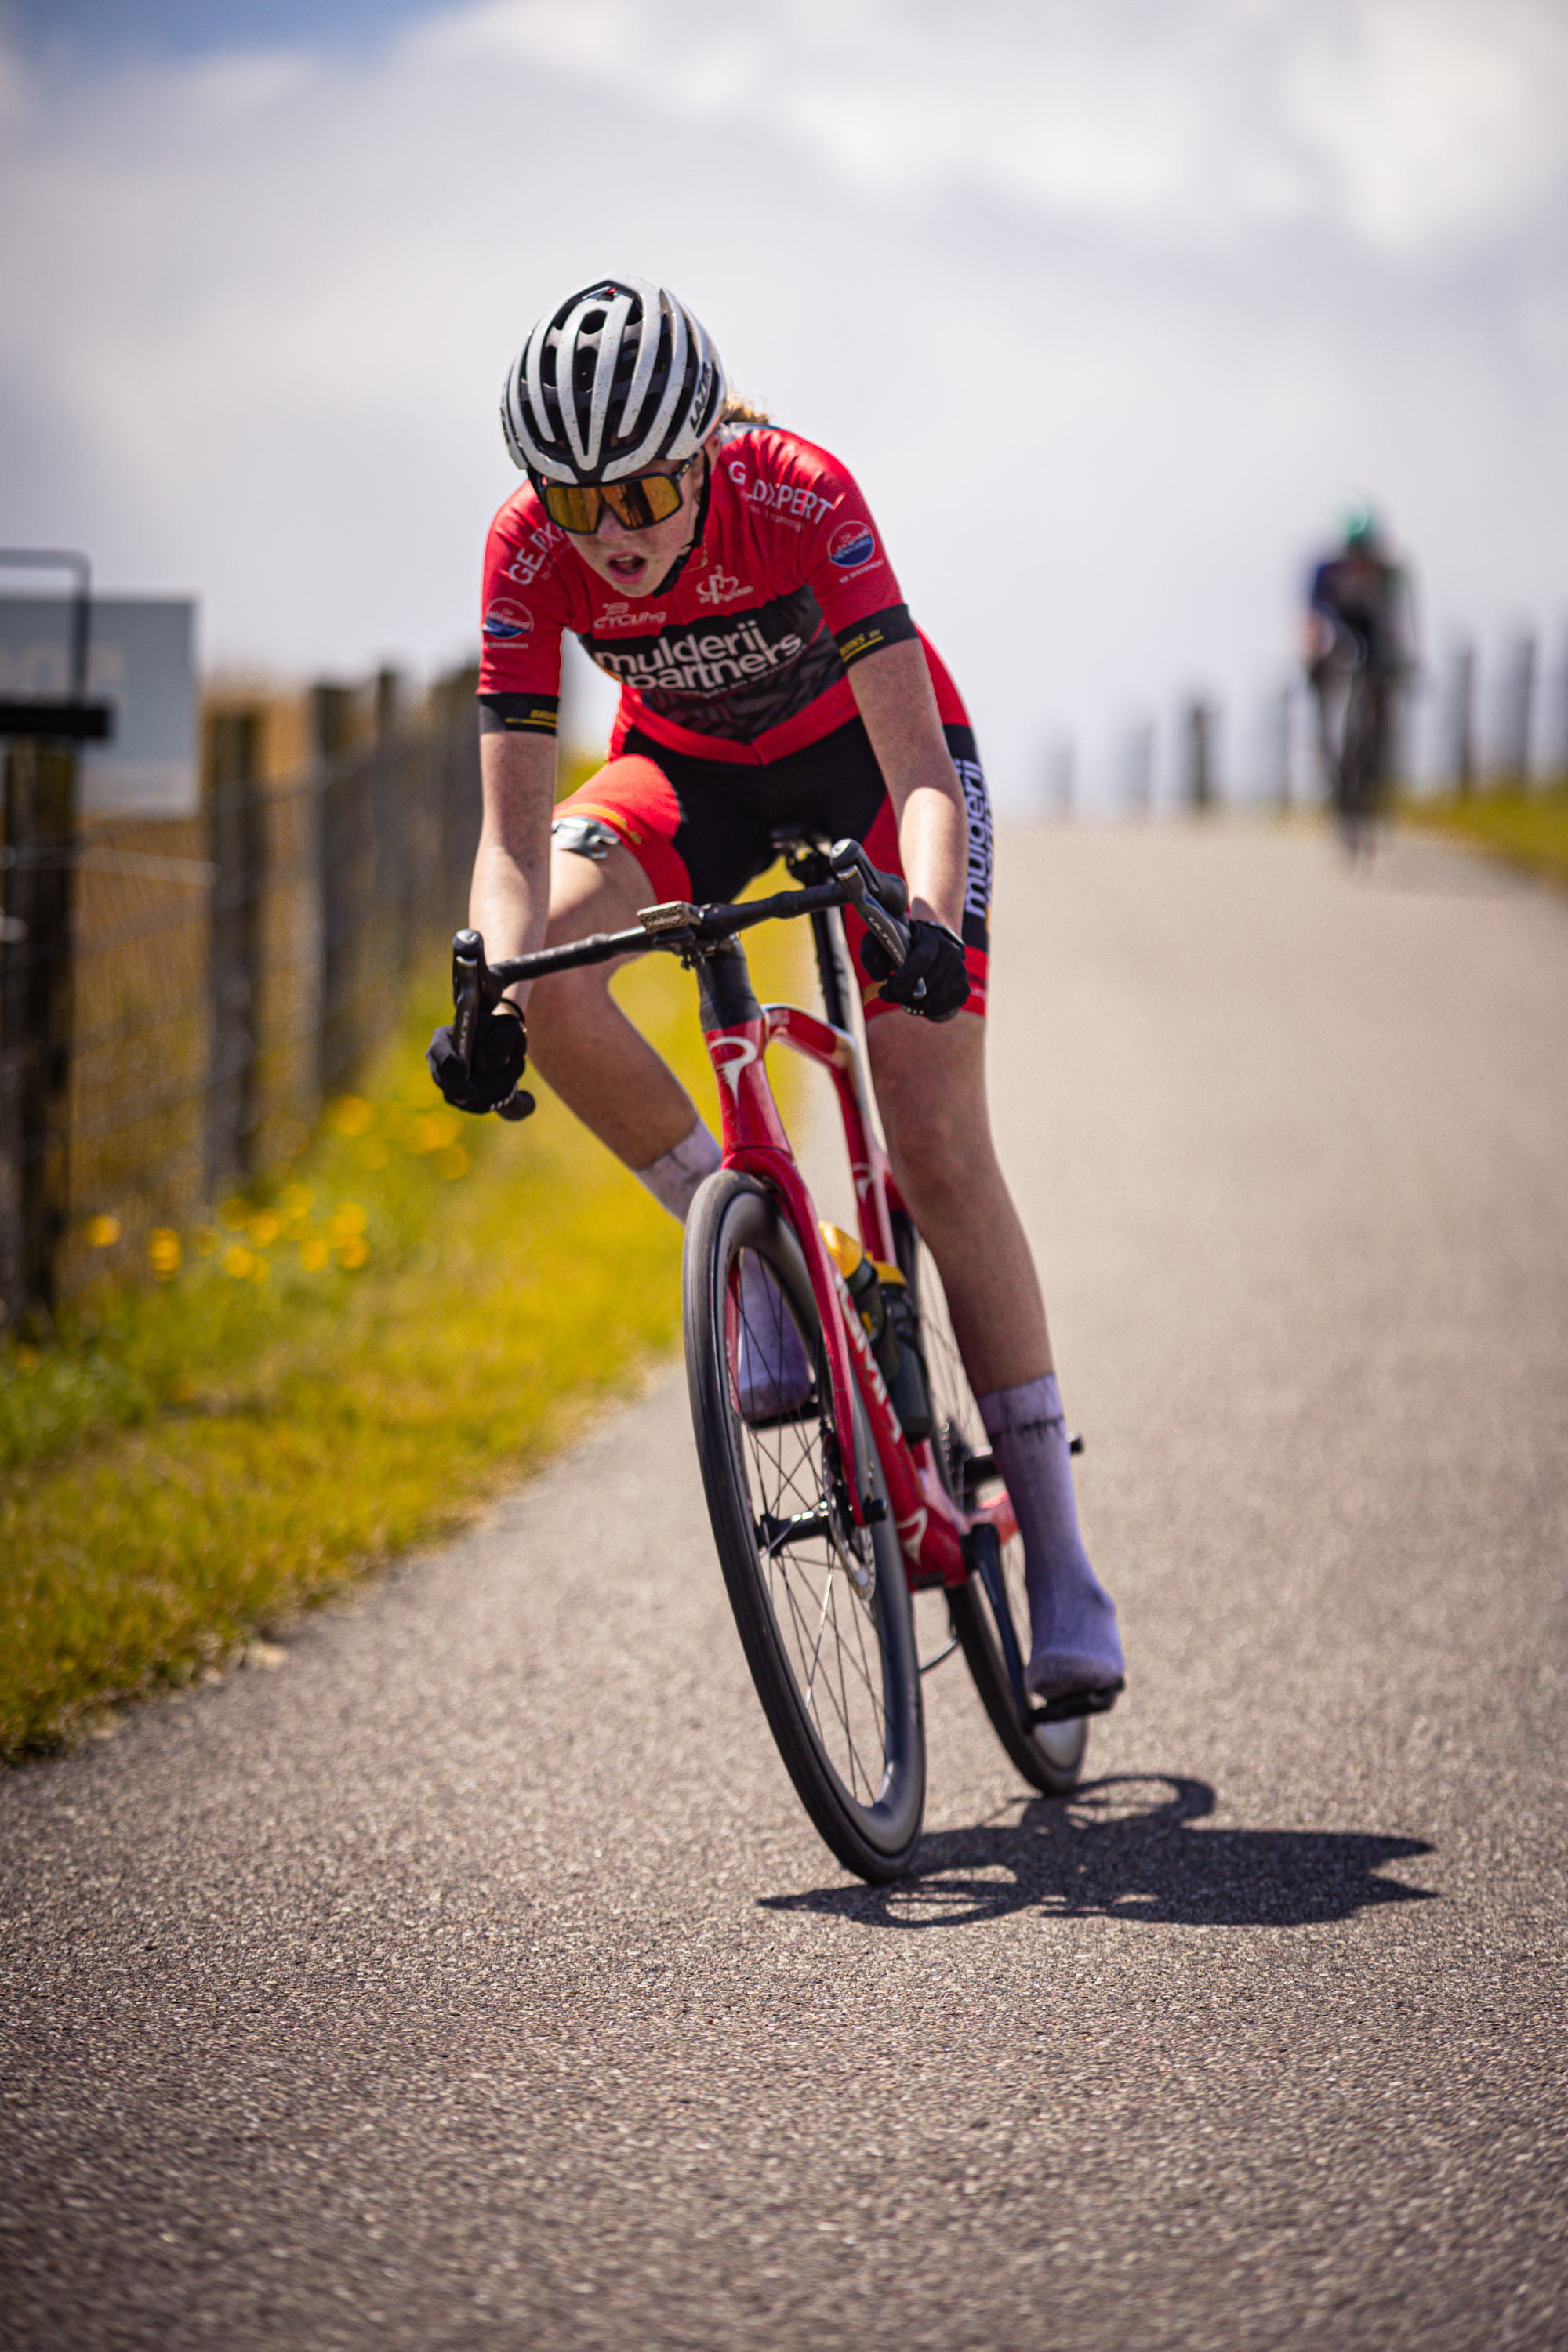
x=887, y=1311
x=910, y=1387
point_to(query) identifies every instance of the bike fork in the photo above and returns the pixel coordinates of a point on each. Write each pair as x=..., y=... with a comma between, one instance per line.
x=985, y=1552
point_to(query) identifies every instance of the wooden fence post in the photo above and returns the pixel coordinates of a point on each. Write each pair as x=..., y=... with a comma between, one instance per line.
x=1517, y=713
x=1198, y=726
x=456, y=750
x=1462, y=718
x=235, y=831
x=338, y=854
x=35, y=1022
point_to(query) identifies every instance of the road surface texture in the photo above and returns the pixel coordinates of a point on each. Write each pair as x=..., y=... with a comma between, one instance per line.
x=475, y=1979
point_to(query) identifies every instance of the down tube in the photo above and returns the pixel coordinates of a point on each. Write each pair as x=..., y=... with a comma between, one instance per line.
x=927, y=1529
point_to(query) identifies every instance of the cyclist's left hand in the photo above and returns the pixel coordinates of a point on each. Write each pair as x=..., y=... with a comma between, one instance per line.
x=500, y=1056
x=935, y=957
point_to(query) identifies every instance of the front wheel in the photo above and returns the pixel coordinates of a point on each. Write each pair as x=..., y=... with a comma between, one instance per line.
x=1049, y=1754
x=822, y=1605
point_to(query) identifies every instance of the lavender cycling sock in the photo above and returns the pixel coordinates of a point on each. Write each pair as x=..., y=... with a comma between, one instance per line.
x=1072, y=1617
x=774, y=1374
x=674, y=1177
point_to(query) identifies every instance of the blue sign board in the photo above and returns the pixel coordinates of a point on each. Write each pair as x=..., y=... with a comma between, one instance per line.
x=141, y=660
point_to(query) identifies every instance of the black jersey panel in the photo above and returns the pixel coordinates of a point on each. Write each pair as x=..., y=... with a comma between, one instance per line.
x=735, y=675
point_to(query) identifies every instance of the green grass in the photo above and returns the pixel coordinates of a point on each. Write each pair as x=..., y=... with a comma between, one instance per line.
x=348, y=1361
x=1529, y=830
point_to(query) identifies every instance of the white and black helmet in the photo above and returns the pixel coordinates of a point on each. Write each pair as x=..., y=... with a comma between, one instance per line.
x=620, y=376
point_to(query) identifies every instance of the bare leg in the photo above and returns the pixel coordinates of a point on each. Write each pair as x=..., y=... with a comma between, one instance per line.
x=930, y=1085
x=598, y=1064
x=930, y=1090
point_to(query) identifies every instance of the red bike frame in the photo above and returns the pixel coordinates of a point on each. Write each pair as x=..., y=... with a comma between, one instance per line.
x=931, y=1528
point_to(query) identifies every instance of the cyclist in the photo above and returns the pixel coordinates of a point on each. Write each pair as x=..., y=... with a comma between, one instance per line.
x=1359, y=644
x=730, y=575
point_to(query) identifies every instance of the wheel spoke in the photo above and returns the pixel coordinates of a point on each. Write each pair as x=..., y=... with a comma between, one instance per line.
x=816, y=1649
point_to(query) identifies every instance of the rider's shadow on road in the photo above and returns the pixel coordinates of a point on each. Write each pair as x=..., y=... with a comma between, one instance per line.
x=1126, y=1848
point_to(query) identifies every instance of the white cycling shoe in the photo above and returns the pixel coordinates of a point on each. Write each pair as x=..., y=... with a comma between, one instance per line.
x=774, y=1375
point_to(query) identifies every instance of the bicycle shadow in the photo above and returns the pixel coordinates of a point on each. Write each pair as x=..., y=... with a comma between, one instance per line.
x=1113, y=1850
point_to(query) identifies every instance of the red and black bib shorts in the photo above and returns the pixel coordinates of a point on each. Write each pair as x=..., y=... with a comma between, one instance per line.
x=701, y=829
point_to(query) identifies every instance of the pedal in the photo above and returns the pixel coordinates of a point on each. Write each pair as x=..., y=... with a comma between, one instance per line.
x=670, y=915
x=1069, y=1705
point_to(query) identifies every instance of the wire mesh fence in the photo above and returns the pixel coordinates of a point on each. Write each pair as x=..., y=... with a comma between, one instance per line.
x=177, y=997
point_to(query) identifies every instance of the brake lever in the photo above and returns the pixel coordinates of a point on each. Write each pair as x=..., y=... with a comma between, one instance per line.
x=474, y=992
x=859, y=879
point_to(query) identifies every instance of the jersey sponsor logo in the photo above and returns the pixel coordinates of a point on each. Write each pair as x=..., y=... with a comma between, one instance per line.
x=738, y=474
x=503, y=620
x=721, y=588
x=530, y=559
x=791, y=499
x=852, y=544
x=981, y=855
x=622, y=615
x=714, y=662
x=861, y=640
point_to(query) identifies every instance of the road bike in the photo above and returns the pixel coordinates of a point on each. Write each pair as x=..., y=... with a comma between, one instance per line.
x=1356, y=752
x=831, y=1504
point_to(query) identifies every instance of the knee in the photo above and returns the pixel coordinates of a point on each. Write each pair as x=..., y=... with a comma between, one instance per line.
x=933, y=1158
x=564, y=1011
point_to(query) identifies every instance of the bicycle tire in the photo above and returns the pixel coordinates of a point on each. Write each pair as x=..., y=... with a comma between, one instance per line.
x=1358, y=796
x=1049, y=1756
x=837, y=1672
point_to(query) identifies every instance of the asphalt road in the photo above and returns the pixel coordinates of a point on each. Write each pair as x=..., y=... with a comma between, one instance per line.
x=474, y=1979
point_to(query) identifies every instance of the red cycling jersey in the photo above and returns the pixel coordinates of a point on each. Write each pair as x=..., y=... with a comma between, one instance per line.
x=740, y=654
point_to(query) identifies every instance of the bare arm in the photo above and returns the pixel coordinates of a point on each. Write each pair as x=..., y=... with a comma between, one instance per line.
x=893, y=693
x=508, y=901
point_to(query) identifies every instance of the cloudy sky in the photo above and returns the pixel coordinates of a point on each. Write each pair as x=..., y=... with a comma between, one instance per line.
x=1111, y=306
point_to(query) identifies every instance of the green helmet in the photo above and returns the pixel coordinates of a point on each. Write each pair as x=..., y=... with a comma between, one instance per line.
x=1361, y=526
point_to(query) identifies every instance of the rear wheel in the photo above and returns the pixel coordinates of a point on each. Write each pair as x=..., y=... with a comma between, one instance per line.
x=1360, y=777
x=1049, y=1756
x=822, y=1605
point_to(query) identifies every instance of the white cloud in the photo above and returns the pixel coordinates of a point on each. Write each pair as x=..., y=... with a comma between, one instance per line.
x=1411, y=119
x=1109, y=308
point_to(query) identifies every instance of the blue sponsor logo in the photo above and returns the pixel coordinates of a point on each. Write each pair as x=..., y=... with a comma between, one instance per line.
x=503, y=621
x=851, y=545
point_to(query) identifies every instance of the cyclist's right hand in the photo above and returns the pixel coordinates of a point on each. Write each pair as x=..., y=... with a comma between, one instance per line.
x=500, y=1056
x=932, y=981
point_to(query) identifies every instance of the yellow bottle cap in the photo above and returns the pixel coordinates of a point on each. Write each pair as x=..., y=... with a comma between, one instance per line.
x=842, y=1248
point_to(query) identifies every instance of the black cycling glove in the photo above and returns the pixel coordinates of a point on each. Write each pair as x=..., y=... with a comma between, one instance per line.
x=935, y=956
x=500, y=1058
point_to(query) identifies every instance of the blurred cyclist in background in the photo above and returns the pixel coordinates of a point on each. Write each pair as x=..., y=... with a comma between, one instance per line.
x=1360, y=650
